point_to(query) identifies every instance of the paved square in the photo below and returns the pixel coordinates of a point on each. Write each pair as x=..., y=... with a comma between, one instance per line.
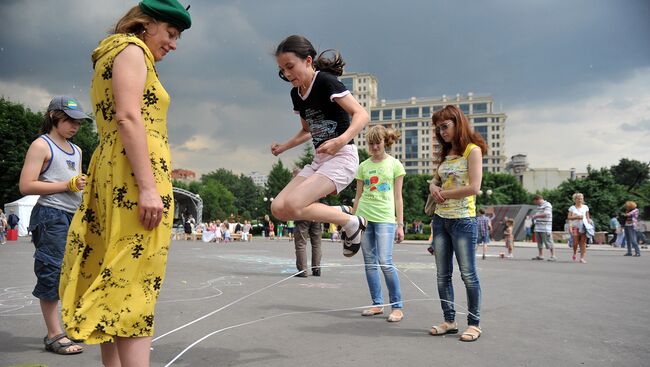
x=534, y=313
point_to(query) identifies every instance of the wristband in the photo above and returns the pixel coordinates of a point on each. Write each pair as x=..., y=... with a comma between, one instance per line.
x=72, y=184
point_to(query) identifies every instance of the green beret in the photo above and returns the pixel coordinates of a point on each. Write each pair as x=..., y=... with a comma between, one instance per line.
x=170, y=11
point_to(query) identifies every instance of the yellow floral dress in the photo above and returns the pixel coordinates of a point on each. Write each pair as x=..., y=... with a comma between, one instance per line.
x=114, y=268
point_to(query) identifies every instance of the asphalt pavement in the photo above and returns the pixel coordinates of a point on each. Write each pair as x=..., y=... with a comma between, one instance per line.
x=236, y=305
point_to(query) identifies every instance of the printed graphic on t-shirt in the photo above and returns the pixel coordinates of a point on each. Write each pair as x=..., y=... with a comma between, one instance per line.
x=71, y=164
x=373, y=182
x=320, y=128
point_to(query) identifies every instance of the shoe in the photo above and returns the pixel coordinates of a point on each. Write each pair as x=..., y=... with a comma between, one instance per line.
x=55, y=345
x=483, y=257
x=510, y=256
x=430, y=249
x=444, y=328
x=395, y=316
x=372, y=311
x=537, y=258
x=316, y=272
x=628, y=254
x=472, y=333
x=352, y=242
x=574, y=257
x=302, y=274
x=552, y=258
x=582, y=261
x=637, y=255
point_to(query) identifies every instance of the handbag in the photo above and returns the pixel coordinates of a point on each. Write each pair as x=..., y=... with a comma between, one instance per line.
x=430, y=205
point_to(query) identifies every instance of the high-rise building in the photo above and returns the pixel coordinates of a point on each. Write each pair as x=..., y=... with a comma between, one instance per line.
x=259, y=179
x=412, y=117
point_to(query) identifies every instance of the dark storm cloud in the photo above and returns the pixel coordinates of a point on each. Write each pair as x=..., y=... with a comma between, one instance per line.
x=226, y=95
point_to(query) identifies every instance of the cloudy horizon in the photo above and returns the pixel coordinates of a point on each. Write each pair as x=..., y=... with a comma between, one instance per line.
x=572, y=77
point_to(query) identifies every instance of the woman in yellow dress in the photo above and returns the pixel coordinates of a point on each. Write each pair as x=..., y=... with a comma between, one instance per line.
x=117, y=246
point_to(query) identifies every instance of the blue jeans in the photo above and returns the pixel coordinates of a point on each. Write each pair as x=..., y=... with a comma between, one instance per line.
x=630, y=240
x=377, y=248
x=457, y=236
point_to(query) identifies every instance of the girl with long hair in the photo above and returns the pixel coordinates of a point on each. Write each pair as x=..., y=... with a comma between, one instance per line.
x=454, y=221
x=331, y=117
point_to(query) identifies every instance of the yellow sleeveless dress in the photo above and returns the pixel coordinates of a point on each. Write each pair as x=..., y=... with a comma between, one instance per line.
x=114, y=268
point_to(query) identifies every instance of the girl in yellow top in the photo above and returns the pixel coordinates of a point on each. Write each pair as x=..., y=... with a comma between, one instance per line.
x=118, y=241
x=454, y=222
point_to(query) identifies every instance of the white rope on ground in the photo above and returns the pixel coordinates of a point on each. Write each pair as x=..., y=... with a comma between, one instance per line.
x=292, y=313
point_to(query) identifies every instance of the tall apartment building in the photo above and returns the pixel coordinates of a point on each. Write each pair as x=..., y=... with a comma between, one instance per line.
x=412, y=117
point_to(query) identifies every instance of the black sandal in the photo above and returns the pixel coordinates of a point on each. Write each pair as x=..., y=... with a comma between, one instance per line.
x=350, y=249
x=55, y=346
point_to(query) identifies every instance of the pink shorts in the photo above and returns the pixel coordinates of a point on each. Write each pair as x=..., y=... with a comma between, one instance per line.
x=340, y=168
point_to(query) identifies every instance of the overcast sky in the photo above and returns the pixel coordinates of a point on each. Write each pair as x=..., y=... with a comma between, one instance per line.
x=573, y=77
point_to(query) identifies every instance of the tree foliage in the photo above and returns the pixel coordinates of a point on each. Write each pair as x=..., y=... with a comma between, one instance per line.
x=279, y=177
x=242, y=187
x=218, y=202
x=502, y=189
x=307, y=156
x=631, y=173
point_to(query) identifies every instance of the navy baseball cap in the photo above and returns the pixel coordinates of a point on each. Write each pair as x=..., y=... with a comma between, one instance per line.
x=70, y=106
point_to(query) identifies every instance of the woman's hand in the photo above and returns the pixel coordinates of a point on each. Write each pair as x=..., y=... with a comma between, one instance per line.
x=400, y=233
x=277, y=149
x=436, y=193
x=151, y=208
x=331, y=146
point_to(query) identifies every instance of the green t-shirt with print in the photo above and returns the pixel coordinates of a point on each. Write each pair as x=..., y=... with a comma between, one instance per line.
x=377, y=202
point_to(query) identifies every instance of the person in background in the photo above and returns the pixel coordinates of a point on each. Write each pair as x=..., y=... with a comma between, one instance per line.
x=508, y=237
x=577, y=216
x=614, y=228
x=313, y=231
x=484, y=228
x=631, y=219
x=543, y=218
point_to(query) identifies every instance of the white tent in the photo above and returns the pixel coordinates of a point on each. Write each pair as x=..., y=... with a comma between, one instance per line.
x=23, y=209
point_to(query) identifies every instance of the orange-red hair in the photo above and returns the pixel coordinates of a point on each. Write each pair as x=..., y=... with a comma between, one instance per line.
x=464, y=134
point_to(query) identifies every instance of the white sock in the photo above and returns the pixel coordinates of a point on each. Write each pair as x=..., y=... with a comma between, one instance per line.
x=352, y=225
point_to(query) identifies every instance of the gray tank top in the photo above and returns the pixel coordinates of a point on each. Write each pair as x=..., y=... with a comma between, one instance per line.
x=62, y=167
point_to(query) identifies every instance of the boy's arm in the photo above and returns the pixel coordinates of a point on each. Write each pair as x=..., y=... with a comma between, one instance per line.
x=37, y=154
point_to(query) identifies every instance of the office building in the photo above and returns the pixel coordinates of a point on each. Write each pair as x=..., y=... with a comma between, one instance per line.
x=412, y=117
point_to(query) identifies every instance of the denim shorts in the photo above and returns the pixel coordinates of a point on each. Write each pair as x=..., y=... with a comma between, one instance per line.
x=49, y=227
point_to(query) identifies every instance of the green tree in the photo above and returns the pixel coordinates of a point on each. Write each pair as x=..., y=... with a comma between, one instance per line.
x=502, y=189
x=218, y=202
x=19, y=127
x=414, y=195
x=307, y=156
x=242, y=187
x=631, y=173
x=279, y=177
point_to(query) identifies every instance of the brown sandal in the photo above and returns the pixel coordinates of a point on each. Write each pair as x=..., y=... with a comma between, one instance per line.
x=396, y=316
x=444, y=328
x=472, y=333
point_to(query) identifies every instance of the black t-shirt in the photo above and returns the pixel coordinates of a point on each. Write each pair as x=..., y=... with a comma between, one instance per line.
x=326, y=119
